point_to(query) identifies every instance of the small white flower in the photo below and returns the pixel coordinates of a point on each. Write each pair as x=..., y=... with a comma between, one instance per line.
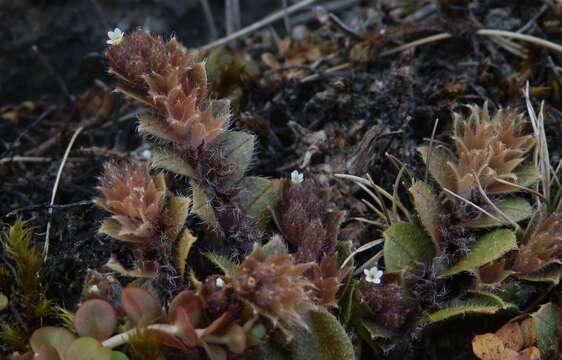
x=373, y=275
x=219, y=282
x=296, y=177
x=146, y=154
x=94, y=289
x=115, y=36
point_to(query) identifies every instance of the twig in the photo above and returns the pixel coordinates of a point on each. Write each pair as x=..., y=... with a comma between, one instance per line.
x=47, y=206
x=33, y=159
x=15, y=143
x=286, y=18
x=528, y=38
x=360, y=249
x=491, y=203
x=210, y=18
x=258, y=25
x=472, y=204
x=55, y=188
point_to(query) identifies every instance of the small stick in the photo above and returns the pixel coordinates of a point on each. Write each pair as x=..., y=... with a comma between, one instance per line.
x=472, y=204
x=258, y=25
x=232, y=15
x=55, y=188
x=431, y=140
x=286, y=18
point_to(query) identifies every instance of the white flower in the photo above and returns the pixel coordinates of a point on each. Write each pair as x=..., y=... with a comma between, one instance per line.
x=146, y=154
x=373, y=275
x=219, y=282
x=296, y=177
x=115, y=36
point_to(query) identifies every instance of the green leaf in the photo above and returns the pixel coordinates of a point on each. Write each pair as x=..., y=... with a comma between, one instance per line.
x=226, y=265
x=86, y=348
x=486, y=297
x=168, y=160
x=438, y=158
x=527, y=175
x=257, y=196
x=549, y=276
x=325, y=339
x=118, y=355
x=517, y=209
x=545, y=326
x=488, y=248
x=202, y=207
x=459, y=310
x=406, y=245
x=427, y=208
x=56, y=337
x=238, y=148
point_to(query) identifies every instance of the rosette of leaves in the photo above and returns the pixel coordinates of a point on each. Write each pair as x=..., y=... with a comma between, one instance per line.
x=424, y=249
x=144, y=217
x=95, y=334
x=191, y=133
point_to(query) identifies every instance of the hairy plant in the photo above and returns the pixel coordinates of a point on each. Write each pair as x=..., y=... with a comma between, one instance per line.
x=144, y=217
x=191, y=131
x=275, y=285
x=28, y=290
x=311, y=232
x=543, y=247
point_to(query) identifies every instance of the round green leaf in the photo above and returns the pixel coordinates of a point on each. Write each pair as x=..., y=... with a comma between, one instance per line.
x=96, y=318
x=55, y=337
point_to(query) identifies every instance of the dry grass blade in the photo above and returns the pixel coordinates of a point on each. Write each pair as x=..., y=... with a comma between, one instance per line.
x=360, y=249
x=55, y=189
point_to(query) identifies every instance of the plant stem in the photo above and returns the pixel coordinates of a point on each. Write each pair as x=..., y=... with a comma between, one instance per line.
x=124, y=338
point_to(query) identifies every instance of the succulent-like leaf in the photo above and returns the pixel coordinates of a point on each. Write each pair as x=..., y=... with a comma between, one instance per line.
x=46, y=352
x=167, y=159
x=140, y=304
x=427, y=208
x=516, y=208
x=488, y=248
x=191, y=303
x=112, y=228
x=118, y=355
x=184, y=246
x=56, y=337
x=86, y=348
x=238, y=148
x=406, y=245
x=202, y=207
x=325, y=339
x=258, y=195
x=95, y=318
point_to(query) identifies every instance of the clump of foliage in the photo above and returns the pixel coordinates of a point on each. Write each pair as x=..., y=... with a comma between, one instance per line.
x=24, y=284
x=462, y=250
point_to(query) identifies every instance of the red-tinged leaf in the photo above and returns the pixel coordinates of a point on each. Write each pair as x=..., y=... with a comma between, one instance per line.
x=96, y=318
x=216, y=324
x=140, y=304
x=186, y=331
x=169, y=340
x=191, y=303
x=56, y=337
x=46, y=352
x=87, y=348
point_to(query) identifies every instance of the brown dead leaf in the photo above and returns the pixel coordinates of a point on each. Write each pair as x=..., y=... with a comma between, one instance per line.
x=511, y=336
x=488, y=347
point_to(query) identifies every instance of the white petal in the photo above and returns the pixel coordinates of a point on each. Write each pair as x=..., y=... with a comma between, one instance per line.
x=366, y=272
x=380, y=273
x=377, y=281
x=110, y=34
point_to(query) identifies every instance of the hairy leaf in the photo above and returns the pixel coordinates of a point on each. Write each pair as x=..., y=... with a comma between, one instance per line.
x=427, y=208
x=238, y=147
x=202, y=207
x=406, y=245
x=257, y=197
x=517, y=209
x=325, y=339
x=488, y=248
